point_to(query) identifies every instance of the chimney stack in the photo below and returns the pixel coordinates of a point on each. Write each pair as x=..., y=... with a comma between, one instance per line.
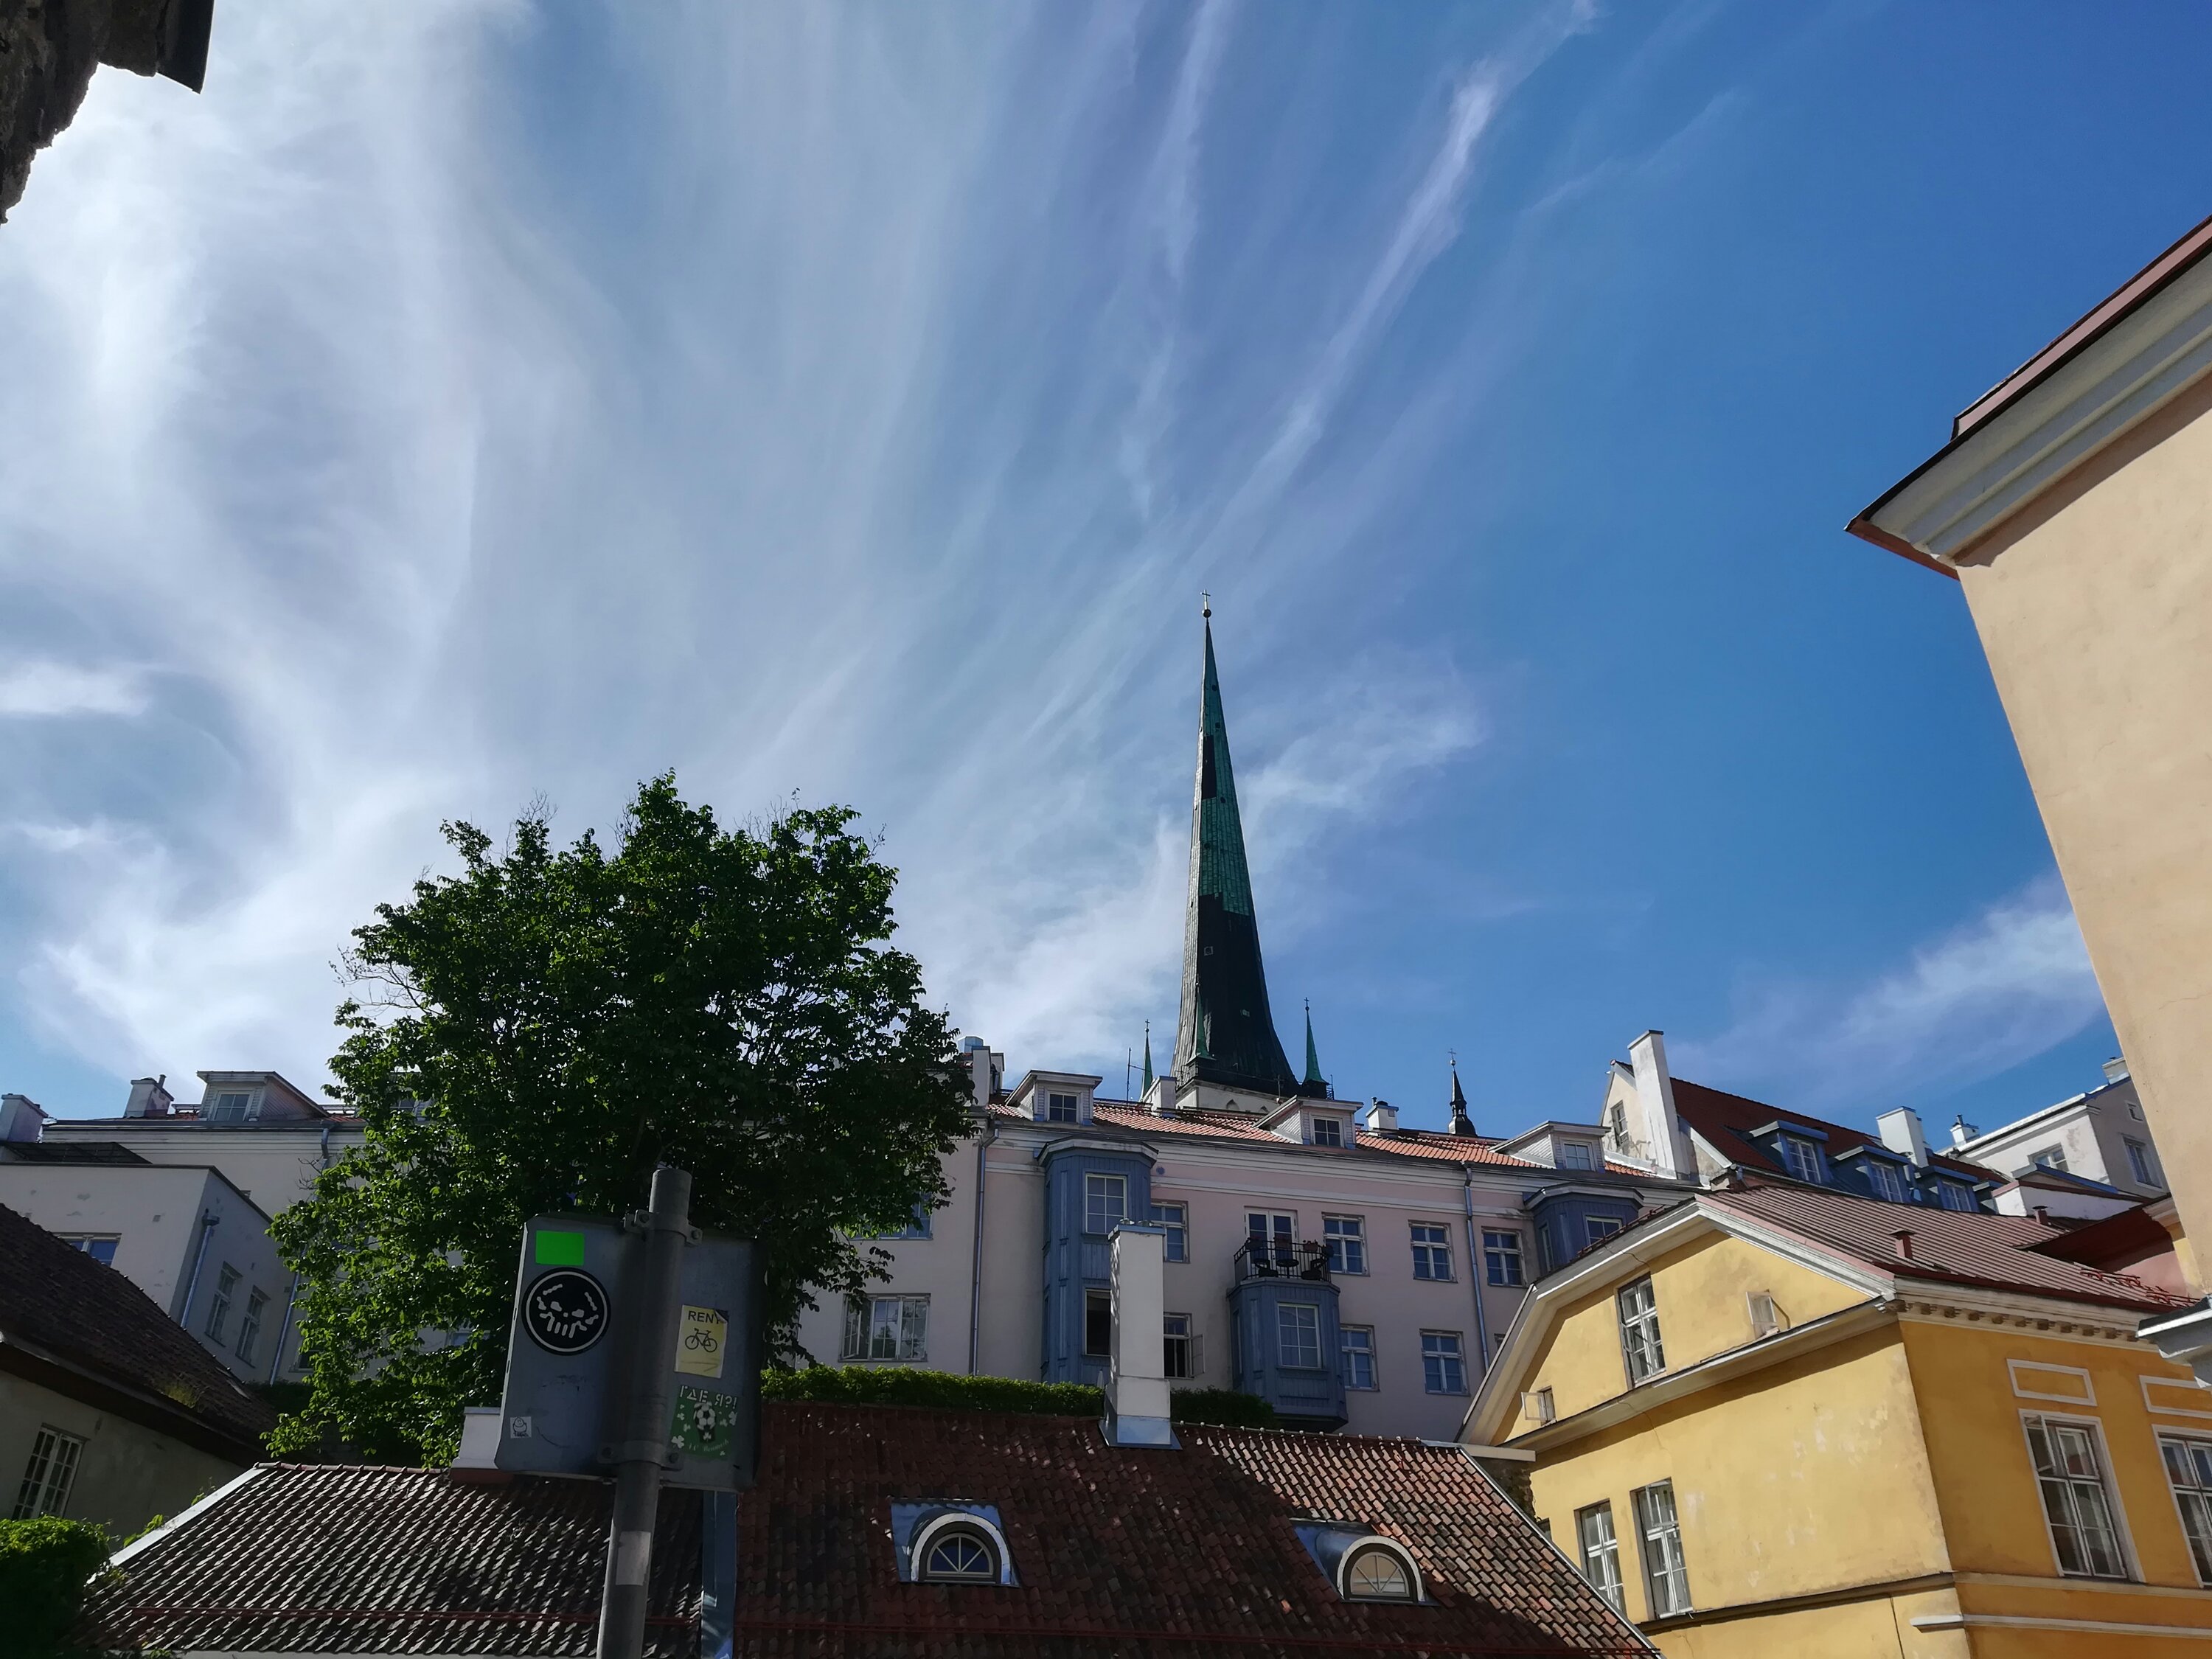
x=1382, y=1118
x=2116, y=1069
x=1136, y=1377
x=1901, y=1132
x=1961, y=1132
x=1904, y=1237
x=1655, y=1100
x=148, y=1099
x=21, y=1118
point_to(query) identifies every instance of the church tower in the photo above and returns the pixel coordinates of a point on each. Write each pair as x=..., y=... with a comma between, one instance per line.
x=1226, y=1044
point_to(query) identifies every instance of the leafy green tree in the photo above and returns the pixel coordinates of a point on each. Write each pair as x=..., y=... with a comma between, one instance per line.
x=534, y=1034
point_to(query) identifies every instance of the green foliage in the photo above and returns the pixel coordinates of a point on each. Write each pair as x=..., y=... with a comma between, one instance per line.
x=1229, y=1407
x=906, y=1385
x=44, y=1566
x=536, y=1033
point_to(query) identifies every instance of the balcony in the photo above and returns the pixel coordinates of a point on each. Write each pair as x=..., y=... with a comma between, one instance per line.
x=1282, y=1258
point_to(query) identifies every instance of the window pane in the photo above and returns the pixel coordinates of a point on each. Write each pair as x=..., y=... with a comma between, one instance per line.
x=1356, y=1343
x=1667, y=1577
x=1105, y=1202
x=1600, y=1551
x=1501, y=1257
x=1346, y=1236
x=2069, y=1474
x=1297, y=1326
x=1097, y=1323
x=1443, y=1370
x=1176, y=1218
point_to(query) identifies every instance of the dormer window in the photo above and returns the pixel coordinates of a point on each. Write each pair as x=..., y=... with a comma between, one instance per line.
x=1576, y=1155
x=1328, y=1132
x=1955, y=1195
x=1059, y=1109
x=960, y=1555
x=1377, y=1572
x=955, y=1543
x=1802, y=1159
x=1887, y=1183
x=233, y=1106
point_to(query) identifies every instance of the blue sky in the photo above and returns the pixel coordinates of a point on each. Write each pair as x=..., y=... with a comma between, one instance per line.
x=456, y=405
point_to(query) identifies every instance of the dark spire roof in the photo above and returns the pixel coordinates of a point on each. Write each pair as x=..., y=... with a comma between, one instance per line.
x=1313, y=1078
x=1148, y=1057
x=1462, y=1124
x=1227, y=1032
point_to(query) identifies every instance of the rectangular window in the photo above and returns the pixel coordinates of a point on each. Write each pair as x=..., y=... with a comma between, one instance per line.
x=249, y=1334
x=1356, y=1347
x=2051, y=1157
x=1182, y=1346
x=2077, y=1502
x=917, y=1224
x=1765, y=1317
x=231, y=1108
x=887, y=1328
x=1887, y=1184
x=2189, y=1469
x=1501, y=1257
x=1105, y=1202
x=1272, y=1231
x=1347, y=1244
x=219, y=1314
x=1431, y=1250
x=49, y=1475
x=1597, y=1228
x=1666, y=1578
x=1576, y=1155
x=1328, y=1132
x=1297, y=1335
x=1639, y=1331
x=1538, y=1406
x=1097, y=1324
x=1953, y=1196
x=1059, y=1109
x=1802, y=1159
x=2139, y=1161
x=99, y=1247
x=1176, y=1218
x=1443, y=1365
x=1600, y=1551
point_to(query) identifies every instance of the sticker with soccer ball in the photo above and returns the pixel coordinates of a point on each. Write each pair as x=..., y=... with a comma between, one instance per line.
x=702, y=1422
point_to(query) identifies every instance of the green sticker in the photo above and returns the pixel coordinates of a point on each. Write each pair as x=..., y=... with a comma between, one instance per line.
x=702, y=1422
x=559, y=1249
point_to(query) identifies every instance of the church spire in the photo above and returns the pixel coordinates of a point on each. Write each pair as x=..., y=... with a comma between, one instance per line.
x=1227, y=1033
x=1312, y=1080
x=1148, y=1061
x=1462, y=1124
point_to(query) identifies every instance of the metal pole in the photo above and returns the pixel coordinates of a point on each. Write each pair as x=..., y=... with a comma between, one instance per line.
x=645, y=1385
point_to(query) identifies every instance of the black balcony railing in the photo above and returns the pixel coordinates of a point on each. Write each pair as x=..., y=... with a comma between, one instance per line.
x=1281, y=1258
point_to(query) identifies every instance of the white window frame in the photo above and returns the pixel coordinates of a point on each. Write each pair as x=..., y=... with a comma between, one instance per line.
x=1334, y=1127
x=84, y=1241
x=1345, y=1246
x=1180, y=1328
x=1639, y=1331
x=1298, y=1329
x=1596, y=1228
x=2198, y=1539
x=906, y=1325
x=1800, y=1158
x=1104, y=1197
x=1174, y=1220
x=1955, y=1196
x=1062, y=1108
x=50, y=1476
x=1454, y=1355
x=1888, y=1181
x=1658, y=1569
x=1501, y=1250
x=247, y=1110
x=226, y=1284
x=2050, y=1158
x=1428, y=1252
x=249, y=1328
x=2130, y=1572
x=1602, y=1553
x=2139, y=1160
x=1345, y=1350
x=1576, y=1155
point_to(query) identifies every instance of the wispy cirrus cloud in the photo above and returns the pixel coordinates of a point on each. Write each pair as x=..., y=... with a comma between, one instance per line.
x=2000, y=989
x=33, y=689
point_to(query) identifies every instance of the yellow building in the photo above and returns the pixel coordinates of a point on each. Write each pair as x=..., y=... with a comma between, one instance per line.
x=2071, y=505
x=1778, y=1420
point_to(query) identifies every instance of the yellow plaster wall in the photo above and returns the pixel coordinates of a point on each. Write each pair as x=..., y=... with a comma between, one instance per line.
x=1985, y=1483
x=1805, y=1477
x=1700, y=1289
x=2095, y=606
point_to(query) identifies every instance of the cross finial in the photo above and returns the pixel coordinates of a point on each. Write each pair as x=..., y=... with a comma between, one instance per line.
x=1205, y=604
x=1454, y=1053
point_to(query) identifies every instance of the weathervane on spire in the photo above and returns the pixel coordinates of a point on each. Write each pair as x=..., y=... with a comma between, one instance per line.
x=1204, y=603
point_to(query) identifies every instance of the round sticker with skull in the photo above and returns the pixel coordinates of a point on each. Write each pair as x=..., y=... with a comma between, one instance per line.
x=565, y=1311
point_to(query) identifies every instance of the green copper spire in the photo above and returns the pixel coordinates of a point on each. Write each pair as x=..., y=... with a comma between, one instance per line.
x=1148, y=1060
x=1227, y=1034
x=1313, y=1079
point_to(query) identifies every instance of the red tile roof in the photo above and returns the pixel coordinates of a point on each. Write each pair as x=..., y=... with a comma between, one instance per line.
x=1235, y=1126
x=1957, y=1246
x=82, y=1329
x=1117, y=1551
x=1726, y=1121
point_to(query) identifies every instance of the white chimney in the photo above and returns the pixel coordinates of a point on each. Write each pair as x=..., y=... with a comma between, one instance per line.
x=1382, y=1118
x=1654, y=1103
x=1961, y=1132
x=21, y=1118
x=480, y=1428
x=980, y=1083
x=1901, y=1132
x=1136, y=1375
x=147, y=1097
x=2116, y=1069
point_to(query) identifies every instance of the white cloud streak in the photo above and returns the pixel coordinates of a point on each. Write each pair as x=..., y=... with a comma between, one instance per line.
x=36, y=689
x=2002, y=988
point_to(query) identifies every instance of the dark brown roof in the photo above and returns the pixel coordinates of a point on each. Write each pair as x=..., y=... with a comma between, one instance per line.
x=1237, y=1126
x=1957, y=1246
x=1117, y=1551
x=82, y=1328
x=1726, y=1121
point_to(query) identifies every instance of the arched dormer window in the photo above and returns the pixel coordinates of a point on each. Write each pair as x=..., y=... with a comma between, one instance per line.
x=1376, y=1570
x=960, y=1548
